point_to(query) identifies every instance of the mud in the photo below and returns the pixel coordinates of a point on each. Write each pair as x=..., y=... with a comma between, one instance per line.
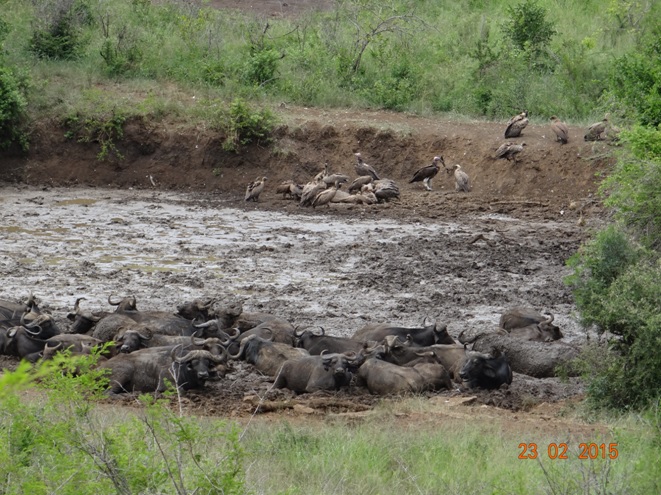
x=340, y=268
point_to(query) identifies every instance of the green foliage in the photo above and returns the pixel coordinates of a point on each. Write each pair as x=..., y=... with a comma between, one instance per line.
x=529, y=31
x=633, y=186
x=635, y=81
x=627, y=373
x=57, y=33
x=261, y=66
x=105, y=128
x=121, y=50
x=595, y=267
x=56, y=439
x=527, y=27
x=242, y=124
x=13, y=106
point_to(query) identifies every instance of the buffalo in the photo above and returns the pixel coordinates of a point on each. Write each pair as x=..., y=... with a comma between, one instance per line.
x=384, y=378
x=313, y=373
x=150, y=370
x=487, y=371
x=316, y=343
x=429, y=334
x=267, y=356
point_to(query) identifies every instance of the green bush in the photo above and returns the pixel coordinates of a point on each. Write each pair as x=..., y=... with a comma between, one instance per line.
x=13, y=105
x=102, y=128
x=627, y=373
x=56, y=439
x=635, y=82
x=57, y=33
x=242, y=124
x=633, y=186
x=529, y=31
x=595, y=267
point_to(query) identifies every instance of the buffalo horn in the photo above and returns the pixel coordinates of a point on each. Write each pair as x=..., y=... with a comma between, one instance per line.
x=242, y=347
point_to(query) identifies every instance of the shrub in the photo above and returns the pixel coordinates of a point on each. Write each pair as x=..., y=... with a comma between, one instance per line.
x=102, y=128
x=57, y=33
x=57, y=440
x=529, y=30
x=595, y=267
x=13, y=104
x=627, y=373
x=243, y=125
x=634, y=185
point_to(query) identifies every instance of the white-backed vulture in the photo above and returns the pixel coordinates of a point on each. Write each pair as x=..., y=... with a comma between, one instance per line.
x=326, y=196
x=461, y=179
x=254, y=189
x=516, y=124
x=363, y=168
x=595, y=131
x=358, y=183
x=310, y=191
x=560, y=129
x=509, y=150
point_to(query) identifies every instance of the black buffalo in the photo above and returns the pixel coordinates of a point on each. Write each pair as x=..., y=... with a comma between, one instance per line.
x=488, y=371
x=150, y=370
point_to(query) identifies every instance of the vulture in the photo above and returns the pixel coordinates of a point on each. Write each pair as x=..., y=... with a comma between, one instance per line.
x=516, y=124
x=426, y=174
x=509, y=150
x=324, y=173
x=461, y=180
x=326, y=196
x=596, y=130
x=254, y=189
x=290, y=189
x=310, y=191
x=358, y=183
x=363, y=168
x=333, y=178
x=385, y=189
x=561, y=130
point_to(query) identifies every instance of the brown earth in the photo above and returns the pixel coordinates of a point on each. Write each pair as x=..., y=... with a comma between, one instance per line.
x=549, y=177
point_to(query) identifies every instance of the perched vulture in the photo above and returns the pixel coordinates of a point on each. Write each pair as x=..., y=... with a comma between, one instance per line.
x=363, y=168
x=426, y=174
x=326, y=196
x=358, y=183
x=461, y=180
x=596, y=130
x=254, y=189
x=509, y=150
x=516, y=124
x=561, y=130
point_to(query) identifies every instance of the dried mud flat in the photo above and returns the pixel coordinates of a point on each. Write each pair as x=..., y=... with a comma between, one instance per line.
x=340, y=268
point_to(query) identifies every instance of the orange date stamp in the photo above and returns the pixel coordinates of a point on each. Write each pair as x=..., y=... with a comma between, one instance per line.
x=561, y=451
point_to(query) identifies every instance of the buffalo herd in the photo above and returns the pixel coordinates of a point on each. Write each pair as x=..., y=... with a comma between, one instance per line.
x=149, y=351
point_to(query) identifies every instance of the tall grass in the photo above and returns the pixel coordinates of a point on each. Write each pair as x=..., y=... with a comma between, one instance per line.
x=427, y=61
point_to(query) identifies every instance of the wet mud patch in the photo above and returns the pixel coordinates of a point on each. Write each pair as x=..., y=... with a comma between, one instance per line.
x=340, y=269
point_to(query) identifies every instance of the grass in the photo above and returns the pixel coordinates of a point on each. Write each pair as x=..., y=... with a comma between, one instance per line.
x=166, y=52
x=435, y=453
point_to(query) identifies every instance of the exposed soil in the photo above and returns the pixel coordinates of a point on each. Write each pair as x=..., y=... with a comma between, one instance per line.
x=168, y=223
